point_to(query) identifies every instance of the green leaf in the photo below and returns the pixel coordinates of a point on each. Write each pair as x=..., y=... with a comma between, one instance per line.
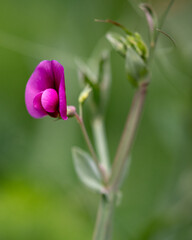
x=104, y=68
x=135, y=66
x=86, y=75
x=104, y=79
x=87, y=170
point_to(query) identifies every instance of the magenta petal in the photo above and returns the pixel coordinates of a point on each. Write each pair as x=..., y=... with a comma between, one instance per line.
x=58, y=71
x=41, y=79
x=37, y=104
x=48, y=74
x=50, y=100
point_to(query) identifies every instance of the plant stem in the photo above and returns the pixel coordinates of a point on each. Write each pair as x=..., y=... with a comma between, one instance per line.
x=103, y=227
x=101, y=143
x=166, y=13
x=91, y=149
x=128, y=136
x=104, y=217
x=152, y=47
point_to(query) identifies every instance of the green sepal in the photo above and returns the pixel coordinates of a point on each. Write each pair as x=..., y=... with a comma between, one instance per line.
x=121, y=43
x=136, y=68
x=138, y=45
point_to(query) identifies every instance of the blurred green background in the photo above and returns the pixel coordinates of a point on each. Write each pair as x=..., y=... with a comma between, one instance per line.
x=40, y=195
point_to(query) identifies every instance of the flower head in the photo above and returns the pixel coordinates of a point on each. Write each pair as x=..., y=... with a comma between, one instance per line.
x=45, y=91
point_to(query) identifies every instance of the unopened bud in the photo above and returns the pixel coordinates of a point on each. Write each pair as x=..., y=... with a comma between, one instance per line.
x=71, y=110
x=84, y=94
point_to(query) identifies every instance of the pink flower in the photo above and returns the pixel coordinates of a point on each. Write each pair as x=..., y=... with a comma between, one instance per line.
x=45, y=91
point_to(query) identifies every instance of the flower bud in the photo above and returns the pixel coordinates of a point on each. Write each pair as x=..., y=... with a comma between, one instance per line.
x=84, y=94
x=71, y=110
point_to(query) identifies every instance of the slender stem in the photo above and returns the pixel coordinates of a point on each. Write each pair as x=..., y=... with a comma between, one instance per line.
x=91, y=149
x=153, y=46
x=81, y=111
x=103, y=227
x=101, y=143
x=166, y=13
x=128, y=135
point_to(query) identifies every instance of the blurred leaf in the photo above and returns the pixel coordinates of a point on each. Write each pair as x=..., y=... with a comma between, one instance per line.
x=97, y=81
x=136, y=68
x=118, y=42
x=103, y=67
x=86, y=75
x=104, y=79
x=87, y=170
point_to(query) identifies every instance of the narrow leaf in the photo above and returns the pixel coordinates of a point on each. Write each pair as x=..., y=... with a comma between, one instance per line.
x=85, y=73
x=87, y=170
x=104, y=78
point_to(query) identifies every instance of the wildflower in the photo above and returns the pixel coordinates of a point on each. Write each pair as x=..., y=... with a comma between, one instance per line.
x=45, y=91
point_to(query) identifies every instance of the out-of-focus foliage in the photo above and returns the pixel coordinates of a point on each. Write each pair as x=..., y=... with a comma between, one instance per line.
x=40, y=195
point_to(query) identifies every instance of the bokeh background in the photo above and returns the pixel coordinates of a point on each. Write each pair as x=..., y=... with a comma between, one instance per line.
x=40, y=195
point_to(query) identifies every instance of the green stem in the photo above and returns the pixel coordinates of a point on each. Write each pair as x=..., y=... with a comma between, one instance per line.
x=153, y=46
x=103, y=227
x=101, y=143
x=128, y=136
x=105, y=212
x=166, y=13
